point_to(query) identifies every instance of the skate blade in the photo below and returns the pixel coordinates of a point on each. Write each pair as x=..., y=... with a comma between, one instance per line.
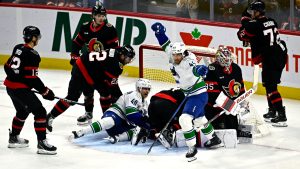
x=280, y=124
x=45, y=152
x=13, y=145
x=190, y=159
x=84, y=123
x=267, y=120
x=216, y=146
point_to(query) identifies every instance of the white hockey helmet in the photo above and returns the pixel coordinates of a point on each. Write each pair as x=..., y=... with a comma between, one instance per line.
x=178, y=48
x=142, y=83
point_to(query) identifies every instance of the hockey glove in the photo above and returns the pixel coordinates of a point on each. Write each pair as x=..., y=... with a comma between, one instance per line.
x=230, y=106
x=140, y=134
x=200, y=70
x=73, y=59
x=158, y=28
x=48, y=94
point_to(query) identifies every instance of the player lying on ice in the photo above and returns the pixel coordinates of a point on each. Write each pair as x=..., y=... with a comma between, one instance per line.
x=189, y=77
x=129, y=111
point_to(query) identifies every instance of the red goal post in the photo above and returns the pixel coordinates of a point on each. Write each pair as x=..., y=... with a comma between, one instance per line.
x=154, y=63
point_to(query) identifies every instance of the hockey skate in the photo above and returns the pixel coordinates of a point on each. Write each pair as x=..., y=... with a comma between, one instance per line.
x=213, y=143
x=49, y=122
x=190, y=155
x=77, y=134
x=85, y=119
x=113, y=139
x=166, y=138
x=280, y=120
x=271, y=114
x=16, y=142
x=45, y=148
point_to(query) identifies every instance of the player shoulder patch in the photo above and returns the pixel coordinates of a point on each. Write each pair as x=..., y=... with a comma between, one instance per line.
x=211, y=67
x=109, y=25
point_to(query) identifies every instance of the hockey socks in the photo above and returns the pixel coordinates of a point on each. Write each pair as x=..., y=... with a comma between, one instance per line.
x=60, y=107
x=17, y=125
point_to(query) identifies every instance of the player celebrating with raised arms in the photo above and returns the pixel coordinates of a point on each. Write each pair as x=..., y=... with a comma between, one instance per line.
x=99, y=70
x=188, y=75
x=129, y=111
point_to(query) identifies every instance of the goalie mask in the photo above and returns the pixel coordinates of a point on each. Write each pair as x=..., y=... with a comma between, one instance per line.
x=224, y=57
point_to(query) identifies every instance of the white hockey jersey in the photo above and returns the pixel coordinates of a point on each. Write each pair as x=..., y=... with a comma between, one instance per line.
x=183, y=73
x=129, y=103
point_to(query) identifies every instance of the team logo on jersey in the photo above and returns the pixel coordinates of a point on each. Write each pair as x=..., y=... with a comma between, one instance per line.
x=95, y=46
x=233, y=89
x=211, y=67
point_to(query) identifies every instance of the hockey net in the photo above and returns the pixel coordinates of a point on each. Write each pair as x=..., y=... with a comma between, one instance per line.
x=154, y=65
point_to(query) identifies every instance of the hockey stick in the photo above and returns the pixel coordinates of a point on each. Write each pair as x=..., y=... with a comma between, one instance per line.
x=244, y=96
x=174, y=114
x=63, y=99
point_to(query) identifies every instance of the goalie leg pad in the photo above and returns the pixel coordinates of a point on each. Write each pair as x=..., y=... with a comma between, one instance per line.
x=228, y=137
x=185, y=121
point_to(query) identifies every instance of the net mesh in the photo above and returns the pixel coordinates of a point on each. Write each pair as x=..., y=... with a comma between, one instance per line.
x=154, y=65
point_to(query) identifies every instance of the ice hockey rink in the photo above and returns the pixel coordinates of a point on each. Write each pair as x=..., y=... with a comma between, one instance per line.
x=279, y=150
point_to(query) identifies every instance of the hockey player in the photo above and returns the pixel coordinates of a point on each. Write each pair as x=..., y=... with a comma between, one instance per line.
x=162, y=106
x=268, y=49
x=186, y=74
x=129, y=111
x=223, y=75
x=22, y=75
x=99, y=70
x=96, y=35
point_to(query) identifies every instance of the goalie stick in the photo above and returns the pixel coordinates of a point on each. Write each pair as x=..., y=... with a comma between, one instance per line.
x=66, y=100
x=230, y=103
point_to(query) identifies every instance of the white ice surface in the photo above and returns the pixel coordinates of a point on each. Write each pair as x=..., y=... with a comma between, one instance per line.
x=280, y=150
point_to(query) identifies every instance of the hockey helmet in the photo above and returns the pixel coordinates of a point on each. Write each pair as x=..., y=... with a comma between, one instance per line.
x=178, y=48
x=29, y=32
x=224, y=57
x=127, y=51
x=98, y=9
x=257, y=5
x=142, y=83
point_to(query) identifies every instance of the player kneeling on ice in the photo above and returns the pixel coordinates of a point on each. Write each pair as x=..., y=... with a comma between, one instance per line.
x=128, y=112
x=189, y=77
